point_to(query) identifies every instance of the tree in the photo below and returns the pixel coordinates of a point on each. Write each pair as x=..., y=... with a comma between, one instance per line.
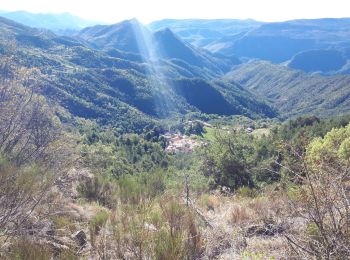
x=322, y=200
x=229, y=159
x=32, y=153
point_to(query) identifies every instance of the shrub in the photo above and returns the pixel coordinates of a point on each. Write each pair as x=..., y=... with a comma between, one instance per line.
x=98, y=221
x=169, y=246
x=33, y=155
x=255, y=256
x=229, y=158
x=22, y=188
x=323, y=201
x=131, y=190
x=183, y=239
x=64, y=223
x=158, y=229
x=247, y=192
x=100, y=189
x=28, y=250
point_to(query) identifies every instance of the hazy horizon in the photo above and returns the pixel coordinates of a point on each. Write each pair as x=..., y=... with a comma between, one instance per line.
x=105, y=11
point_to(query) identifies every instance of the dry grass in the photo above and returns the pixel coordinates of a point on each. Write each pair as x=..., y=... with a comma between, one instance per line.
x=233, y=216
x=237, y=211
x=240, y=214
x=267, y=247
x=209, y=202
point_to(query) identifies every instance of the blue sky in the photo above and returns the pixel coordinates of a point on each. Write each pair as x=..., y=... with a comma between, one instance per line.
x=150, y=10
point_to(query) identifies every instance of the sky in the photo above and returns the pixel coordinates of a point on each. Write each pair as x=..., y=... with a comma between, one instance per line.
x=146, y=11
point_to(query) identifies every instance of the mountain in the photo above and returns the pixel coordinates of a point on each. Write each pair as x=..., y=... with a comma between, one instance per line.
x=132, y=37
x=131, y=77
x=167, y=45
x=314, y=45
x=104, y=85
x=323, y=61
x=278, y=42
x=201, y=32
x=127, y=36
x=294, y=92
x=60, y=23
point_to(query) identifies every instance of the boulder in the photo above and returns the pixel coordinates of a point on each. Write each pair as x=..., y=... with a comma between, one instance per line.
x=80, y=238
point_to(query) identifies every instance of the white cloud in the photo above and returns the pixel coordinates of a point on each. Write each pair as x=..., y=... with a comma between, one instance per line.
x=149, y=10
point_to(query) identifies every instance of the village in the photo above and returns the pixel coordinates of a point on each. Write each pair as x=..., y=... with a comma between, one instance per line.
x=180, y=143
x=177, y=142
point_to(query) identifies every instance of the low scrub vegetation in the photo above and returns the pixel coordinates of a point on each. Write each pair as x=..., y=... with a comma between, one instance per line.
x=276, y=195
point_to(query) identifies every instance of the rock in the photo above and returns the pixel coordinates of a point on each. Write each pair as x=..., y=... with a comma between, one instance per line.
x=218, y=243
x=80, y=238
x=150, y=227
x=68, y=184
x=210, y=207
x=267, y=229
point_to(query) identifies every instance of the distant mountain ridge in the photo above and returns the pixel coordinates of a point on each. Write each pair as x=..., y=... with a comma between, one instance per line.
x=131, y=36
x=314, y=45
x=201, y=32
x=280, y=36
x=63, y=23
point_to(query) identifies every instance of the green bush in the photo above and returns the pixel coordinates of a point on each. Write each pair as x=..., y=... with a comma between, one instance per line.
x=169, y=246
x=100, y=189
x=28, y=250
x=98, y=221
x=313, y=231
x=247, y=192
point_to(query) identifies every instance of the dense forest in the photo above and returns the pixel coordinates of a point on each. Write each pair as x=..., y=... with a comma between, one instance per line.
x=108, y=151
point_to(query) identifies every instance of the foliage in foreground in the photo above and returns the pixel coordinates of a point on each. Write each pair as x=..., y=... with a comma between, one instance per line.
x=33, y=157
x=322, y=199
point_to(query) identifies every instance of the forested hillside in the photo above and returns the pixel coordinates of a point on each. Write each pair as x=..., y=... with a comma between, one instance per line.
x=110, y=87
x=294, y=92
x=323, y=61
